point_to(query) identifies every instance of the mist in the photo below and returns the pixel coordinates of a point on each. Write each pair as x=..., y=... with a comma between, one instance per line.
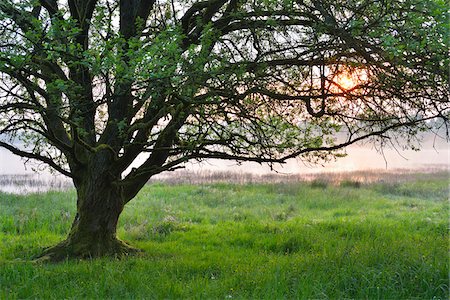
x=434, y=153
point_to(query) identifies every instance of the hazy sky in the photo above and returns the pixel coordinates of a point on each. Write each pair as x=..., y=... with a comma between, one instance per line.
x=358, y=158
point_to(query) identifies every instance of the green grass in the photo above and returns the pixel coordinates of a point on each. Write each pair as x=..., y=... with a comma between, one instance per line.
x=225, y=241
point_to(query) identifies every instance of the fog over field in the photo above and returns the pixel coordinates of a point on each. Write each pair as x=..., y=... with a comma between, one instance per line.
x=434, y=153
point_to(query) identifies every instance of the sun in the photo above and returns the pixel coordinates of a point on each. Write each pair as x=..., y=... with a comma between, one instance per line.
x=346, y=81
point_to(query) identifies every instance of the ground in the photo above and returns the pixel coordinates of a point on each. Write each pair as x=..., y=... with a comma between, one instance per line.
x=319, y=239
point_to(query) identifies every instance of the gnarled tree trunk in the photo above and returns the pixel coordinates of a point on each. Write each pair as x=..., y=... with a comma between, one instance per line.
x=93, y=233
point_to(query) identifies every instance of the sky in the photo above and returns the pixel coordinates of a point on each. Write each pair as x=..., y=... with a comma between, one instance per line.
x=358, y=158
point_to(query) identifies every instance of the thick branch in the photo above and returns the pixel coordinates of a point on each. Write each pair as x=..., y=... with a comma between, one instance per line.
x=50, y=5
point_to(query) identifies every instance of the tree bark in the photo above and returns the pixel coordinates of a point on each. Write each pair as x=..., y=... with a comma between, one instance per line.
x=93, y=232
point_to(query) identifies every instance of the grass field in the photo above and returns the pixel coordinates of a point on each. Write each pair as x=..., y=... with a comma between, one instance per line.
x=383, y=240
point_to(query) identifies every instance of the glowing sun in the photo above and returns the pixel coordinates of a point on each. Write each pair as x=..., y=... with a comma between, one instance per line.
x=347, y=81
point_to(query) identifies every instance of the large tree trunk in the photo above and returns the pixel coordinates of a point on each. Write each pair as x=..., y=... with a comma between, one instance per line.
x=93, y=232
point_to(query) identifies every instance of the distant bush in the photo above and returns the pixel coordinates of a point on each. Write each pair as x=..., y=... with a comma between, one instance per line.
x=351, y=184
x=319, y=184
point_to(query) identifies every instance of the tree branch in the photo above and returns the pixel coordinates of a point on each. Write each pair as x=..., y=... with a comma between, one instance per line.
x=41, y=158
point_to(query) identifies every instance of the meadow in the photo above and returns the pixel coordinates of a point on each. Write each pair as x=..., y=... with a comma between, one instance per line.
x=347, y=238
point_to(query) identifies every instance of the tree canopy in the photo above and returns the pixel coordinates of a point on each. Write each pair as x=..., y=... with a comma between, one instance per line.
x=88, y=85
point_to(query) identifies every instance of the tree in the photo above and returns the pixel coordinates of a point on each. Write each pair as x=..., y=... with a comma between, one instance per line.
x=88, y=85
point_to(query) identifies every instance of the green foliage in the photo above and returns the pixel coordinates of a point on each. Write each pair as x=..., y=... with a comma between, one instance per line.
x=238, y=80
x=264, y=241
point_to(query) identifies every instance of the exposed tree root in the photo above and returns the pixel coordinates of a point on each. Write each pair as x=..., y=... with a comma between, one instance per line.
x=88, y=249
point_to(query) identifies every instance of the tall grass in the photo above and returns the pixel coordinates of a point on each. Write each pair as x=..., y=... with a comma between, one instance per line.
x=317, y=239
